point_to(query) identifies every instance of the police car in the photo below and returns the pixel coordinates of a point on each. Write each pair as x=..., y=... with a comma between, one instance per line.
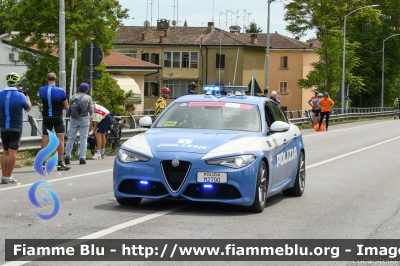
x=232, y=148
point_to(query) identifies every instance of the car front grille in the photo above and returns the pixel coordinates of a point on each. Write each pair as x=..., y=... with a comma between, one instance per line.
x=132, y=186
x=175, y=176
x=218, y=191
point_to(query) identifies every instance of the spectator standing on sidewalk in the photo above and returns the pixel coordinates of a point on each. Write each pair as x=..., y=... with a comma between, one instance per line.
x=273, y=97
x=311, y=102
x=326, y=104
x=11, y=118
x=80, y=123
x=102, y=120
x=54, y=101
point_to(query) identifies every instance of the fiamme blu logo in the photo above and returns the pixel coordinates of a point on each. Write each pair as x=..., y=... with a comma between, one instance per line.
x=45, y=169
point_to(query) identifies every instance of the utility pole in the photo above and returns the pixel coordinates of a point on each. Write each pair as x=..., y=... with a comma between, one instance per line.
x=267, y=51
x=61, y=53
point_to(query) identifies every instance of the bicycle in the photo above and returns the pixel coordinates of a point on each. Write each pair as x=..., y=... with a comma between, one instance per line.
x=113, y=135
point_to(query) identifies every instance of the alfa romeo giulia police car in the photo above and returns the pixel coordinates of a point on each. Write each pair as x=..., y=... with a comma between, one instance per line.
x=233, y=149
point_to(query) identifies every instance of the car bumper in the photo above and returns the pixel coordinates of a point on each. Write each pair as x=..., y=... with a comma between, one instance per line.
x=148, y=180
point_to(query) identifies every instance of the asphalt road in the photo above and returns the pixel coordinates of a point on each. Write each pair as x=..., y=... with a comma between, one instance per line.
x=351, y=192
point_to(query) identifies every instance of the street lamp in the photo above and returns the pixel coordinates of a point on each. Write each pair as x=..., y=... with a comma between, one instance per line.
x=344, y=49
x=383, y=65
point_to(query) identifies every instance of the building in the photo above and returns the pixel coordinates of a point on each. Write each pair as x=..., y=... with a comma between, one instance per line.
x=208, y=55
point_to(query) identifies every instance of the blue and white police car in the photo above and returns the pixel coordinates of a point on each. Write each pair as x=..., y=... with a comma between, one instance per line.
x=233, y=149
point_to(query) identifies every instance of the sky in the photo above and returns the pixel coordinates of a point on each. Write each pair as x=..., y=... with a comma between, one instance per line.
x=199, y=12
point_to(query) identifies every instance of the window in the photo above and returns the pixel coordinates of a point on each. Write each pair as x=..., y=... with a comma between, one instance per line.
x=127, y=52
x=278, y=114
x=283, y=86
x=178, y=87
x=181, y=59
x=284, y=62
x=145, y=57
x=150, y=89
x=220, y=61
x=155, y=59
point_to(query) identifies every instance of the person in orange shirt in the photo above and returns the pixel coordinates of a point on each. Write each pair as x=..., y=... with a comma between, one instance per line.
x=326, y=105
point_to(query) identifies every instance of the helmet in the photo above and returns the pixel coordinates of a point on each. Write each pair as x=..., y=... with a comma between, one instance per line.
x=192, y=85
x=320, y=95
x=84, y=86
x=165, y=90
x=13, y=77
x=316, y=93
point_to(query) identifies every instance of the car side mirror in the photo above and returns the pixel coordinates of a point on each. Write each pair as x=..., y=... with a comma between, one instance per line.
x=278, y=126
x=145, y=121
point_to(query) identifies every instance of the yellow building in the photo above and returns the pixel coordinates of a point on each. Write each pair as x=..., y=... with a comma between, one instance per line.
x=208, y=55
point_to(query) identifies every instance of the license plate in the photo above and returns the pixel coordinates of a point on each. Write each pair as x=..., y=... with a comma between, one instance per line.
x=209, y=177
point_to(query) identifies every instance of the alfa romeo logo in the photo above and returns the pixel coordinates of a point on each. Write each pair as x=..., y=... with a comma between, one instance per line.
x=175, y=162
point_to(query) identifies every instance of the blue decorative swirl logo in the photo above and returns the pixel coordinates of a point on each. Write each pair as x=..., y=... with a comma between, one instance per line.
x=35, y=202
x=49, y=166
x=42, y=155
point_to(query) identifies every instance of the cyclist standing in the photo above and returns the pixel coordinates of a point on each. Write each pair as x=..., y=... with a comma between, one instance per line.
x=161, y=103
x=192, y=89
x=102, y=120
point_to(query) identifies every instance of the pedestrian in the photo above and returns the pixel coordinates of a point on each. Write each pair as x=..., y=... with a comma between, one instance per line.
x=11, y=118
x=273, y=97
x=192, y=89
x=396, y=108
x=102, y=120
x=80, y=123
x=161, y=103
x=326, y=104
x=312, y=104
x=318, y=107
x=265, y=94
x=54, y=101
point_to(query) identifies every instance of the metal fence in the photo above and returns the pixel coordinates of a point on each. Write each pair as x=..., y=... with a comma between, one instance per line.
x=131, y=128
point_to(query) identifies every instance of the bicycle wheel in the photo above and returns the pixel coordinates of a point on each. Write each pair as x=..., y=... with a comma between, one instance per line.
x=111, y=141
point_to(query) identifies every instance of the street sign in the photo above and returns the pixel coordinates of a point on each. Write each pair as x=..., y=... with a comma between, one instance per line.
x=96, y=74
x=97, y=55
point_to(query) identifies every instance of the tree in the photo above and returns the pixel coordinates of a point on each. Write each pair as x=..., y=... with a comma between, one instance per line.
x=253, y=28
x=87, y=21
x=5, y=6
x=326, y=19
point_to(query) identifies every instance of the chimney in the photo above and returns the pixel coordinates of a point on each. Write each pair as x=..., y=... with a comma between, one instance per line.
x=254, y=38
x=210, y=27
x=311, y=45
x=165, y=32
x=142, y=36
x=161, y=38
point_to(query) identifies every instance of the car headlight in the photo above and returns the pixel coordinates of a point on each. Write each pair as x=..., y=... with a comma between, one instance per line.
x=129, y=157
x=234, y=161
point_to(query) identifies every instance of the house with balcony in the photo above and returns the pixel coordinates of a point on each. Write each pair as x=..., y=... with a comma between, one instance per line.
x=208, y=56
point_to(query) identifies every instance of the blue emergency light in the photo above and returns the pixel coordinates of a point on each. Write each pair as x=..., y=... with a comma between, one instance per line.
x=214, y=88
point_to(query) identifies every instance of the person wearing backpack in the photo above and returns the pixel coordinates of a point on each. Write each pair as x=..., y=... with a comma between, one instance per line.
x=80, y=109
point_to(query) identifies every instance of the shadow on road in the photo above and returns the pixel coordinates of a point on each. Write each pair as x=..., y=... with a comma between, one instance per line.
x=149, y=206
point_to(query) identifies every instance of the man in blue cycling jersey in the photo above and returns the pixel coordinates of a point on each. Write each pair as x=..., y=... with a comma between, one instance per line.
x=54, y=101
x=11, y=118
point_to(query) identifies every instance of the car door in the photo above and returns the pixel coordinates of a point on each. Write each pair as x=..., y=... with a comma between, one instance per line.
x=284, y=157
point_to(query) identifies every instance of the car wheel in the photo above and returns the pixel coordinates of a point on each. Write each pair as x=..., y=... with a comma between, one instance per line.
x=260, y=197
x=300, y=183
x=129, y=201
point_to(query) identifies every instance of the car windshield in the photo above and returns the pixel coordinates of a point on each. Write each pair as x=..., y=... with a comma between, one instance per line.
x=211, y=115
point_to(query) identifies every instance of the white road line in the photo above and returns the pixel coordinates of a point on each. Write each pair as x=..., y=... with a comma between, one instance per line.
x=57, y=179
x=103, y=233
x=350, y=153
x=344, y=129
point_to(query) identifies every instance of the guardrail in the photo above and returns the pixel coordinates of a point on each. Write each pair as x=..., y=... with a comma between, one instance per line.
x=297, y=117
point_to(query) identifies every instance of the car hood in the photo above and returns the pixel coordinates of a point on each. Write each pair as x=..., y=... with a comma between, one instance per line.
x=190, y=140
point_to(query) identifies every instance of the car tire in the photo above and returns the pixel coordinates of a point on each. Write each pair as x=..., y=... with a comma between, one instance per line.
x=129, y=201
x=260, y=196
x=300, y=183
